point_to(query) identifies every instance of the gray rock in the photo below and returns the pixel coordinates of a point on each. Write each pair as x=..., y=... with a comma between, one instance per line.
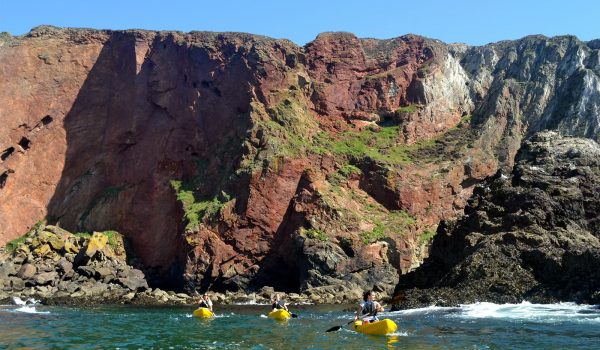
x=46, y=278
x=27, y=271
x=14, y=284
x=68, y=287
x=104, y=274
x=95, y=289
x=64, y=266
x=134, y=279
x=86, y=271
x=7, y=268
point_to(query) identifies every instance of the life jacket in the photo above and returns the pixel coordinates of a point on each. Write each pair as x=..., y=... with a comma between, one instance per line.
x=204, y=303
x=277, y=305
x=368, y=308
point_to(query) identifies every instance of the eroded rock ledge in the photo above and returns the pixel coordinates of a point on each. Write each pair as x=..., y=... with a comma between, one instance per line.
x=532, y=235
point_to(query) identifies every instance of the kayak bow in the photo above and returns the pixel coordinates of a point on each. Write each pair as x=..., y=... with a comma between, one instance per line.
x=280, y=314
x=203, y=312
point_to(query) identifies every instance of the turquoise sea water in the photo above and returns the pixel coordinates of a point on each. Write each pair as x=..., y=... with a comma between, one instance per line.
x=476, y=326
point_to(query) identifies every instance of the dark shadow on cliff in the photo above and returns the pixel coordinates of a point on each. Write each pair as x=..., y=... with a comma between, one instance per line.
x=110, y=175
x=285, y=265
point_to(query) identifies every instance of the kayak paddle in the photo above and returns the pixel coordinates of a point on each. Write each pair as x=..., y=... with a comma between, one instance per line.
x=337, y=328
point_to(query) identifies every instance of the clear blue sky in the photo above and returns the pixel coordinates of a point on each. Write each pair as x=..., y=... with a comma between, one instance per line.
x=469, y=21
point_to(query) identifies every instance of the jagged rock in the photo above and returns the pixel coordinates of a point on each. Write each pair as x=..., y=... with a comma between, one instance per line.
x=45, y=278
x=68, y=287
x=97, y=243
x=102, y=272
x=64, y=266
x=134, y=279
x=14, y=284
x=56, y=243
x=60, y=232
x=86, y=271
x=533, y=235
x=7, y=268
x=44, y=291
x=27, y=271
x=95, y=289
x=42, y=250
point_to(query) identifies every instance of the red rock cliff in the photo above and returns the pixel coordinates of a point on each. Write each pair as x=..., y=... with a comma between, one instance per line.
x=231, y=160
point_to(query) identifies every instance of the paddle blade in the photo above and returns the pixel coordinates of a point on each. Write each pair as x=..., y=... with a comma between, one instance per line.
x=333, y=329
x=294, y=316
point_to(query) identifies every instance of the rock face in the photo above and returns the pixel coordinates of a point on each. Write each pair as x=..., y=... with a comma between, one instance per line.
x=233, y=161
x=532, y=235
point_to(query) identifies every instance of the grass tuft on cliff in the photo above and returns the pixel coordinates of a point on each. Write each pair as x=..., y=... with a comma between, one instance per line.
x=196, y=210
x=410, y=109
x=392, y=223
x=314, y=233
x=378, y=144
x=15, y=243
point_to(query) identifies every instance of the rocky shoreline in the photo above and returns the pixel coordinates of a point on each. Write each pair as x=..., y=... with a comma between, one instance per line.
x=57, y=267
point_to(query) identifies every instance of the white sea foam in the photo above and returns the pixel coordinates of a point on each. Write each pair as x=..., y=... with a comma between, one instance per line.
x=422, y=310
x=19, y=301
x=30, y=310
x=529, y=311
x=27, y=306
x=524, y=311
x=398, y=334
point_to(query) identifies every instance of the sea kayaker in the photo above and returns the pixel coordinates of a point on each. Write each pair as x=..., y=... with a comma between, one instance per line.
x=277, y=303
x=206, y=302
x=368, y=309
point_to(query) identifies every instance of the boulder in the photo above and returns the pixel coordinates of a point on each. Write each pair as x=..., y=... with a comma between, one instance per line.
x=97, y=243
x=133, y=279
x=56, y=243
x=104, y=273
x=7, y=268
x=45, y=278
x=27, y=271
x=42, y=250
x=86, y=271
x=14, y=284
x=64, y=266
x=57, y=231
x=68, y=286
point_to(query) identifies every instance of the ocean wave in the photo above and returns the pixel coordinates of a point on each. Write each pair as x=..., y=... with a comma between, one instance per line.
x=30, y=310
x=525, y=310
x=26, y=306
x=29, y=301
x=422, y=310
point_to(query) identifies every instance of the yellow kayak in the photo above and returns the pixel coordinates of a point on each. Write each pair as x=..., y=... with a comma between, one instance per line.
x=203, y=312
x=381, y=327
x=280, y=314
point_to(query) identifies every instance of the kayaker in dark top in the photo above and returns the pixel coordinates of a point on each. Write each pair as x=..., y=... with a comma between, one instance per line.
x=277, y=304
x=206, y=302
x=368, y=309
